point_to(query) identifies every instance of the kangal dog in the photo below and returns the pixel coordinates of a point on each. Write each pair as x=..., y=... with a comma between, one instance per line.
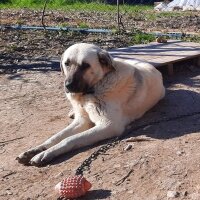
x=106, y=95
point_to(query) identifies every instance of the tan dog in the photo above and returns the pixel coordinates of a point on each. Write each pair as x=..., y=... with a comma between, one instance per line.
x=106, y=94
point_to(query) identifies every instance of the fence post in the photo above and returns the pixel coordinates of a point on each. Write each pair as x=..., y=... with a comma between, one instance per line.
x=118, y=17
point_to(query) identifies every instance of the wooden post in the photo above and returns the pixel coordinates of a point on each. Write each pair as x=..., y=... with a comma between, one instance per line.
x=170, y=68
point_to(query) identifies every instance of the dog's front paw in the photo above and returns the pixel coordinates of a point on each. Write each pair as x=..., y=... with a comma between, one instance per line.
x=41, y=159
x=25, y=157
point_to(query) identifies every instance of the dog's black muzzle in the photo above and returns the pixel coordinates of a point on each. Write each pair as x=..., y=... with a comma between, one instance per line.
x=77, y=86
x=69, y=85
x=72, y=86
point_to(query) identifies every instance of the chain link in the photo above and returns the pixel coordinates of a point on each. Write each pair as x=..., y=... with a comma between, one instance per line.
x=85, y=165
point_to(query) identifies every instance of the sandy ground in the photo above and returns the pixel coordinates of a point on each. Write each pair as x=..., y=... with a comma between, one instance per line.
x=33, y=107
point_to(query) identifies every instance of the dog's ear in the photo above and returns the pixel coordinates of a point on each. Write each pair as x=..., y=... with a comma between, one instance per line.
x=61, y=67
x=105, y=59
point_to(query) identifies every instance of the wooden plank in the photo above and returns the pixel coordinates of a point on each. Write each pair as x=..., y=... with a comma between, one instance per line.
x=159, y=54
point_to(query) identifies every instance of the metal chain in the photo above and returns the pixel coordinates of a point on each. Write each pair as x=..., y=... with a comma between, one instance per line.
x=85, y=165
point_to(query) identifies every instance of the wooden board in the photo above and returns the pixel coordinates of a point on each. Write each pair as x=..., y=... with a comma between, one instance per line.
x=159, y=54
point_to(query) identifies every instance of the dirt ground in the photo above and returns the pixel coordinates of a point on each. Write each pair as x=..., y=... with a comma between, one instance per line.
x=33, y=106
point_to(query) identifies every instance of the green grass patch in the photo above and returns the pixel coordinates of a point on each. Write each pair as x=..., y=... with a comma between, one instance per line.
x=83, y=25
x=152, y=15
x=142, y=38
x=79, y=5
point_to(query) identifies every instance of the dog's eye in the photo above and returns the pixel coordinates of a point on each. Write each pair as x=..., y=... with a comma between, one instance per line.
x=67, y=62
x=84, y=66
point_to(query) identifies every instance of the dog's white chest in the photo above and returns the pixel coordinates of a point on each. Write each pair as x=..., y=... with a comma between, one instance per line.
x=95, y=110
x=99, y=111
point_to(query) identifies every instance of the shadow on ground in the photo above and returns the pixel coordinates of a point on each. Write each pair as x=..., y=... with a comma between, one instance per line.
x=30, y=64
x=94, y=195
x=97, y=194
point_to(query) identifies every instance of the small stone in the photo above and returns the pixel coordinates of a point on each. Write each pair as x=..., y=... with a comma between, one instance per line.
x=185, y=193
x=179, y=153
x=114, y=192
x=172, y=194
x=59, y=175
x=9, y=192
x=117, y=166
x=128, y=147
x=130, y=192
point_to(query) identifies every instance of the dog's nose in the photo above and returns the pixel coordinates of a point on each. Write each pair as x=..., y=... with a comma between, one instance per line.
x=68, y=83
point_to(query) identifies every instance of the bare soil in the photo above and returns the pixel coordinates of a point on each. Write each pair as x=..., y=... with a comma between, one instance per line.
x=143, y=20
x=33, y=107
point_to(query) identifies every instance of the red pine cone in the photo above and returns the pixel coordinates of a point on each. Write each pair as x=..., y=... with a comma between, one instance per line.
x=73, y=187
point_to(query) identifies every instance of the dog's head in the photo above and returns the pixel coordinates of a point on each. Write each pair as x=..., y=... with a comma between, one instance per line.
x=84, y=65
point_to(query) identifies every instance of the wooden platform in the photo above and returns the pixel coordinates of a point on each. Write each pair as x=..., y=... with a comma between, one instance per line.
x=160, y=54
